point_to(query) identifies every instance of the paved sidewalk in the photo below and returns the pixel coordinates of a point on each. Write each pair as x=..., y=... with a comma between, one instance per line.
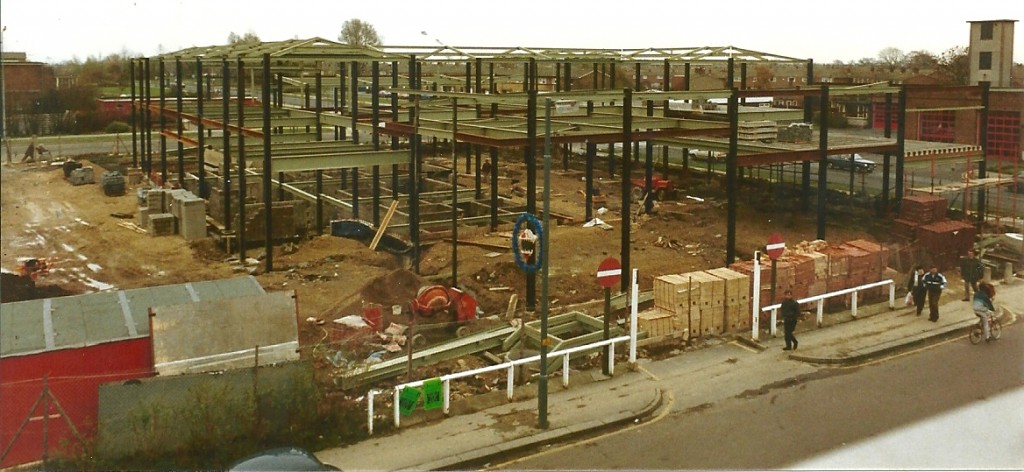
x=594, y=403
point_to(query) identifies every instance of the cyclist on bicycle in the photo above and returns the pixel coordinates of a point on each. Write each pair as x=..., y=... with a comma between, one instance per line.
x=983, y=307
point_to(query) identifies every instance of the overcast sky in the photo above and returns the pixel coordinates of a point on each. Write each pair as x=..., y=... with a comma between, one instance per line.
x=59, y=30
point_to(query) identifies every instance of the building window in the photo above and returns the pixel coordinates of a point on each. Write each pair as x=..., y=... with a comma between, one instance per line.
x=986, y=30
x=985, y=61
x=1004, y=135
x=937, y=126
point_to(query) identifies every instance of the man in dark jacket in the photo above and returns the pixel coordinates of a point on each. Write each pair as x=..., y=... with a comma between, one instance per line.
x=918, y=291
x=971, y=270
x=935, y=283
x=790, y=313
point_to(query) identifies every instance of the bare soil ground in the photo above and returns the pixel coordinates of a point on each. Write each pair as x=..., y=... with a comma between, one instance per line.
x=82, y=232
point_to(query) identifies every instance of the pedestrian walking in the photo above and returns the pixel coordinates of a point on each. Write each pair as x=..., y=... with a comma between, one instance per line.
x=971, y=271
x=790, y=314
x=30, y=152
x=917, y=289
x=935, y=282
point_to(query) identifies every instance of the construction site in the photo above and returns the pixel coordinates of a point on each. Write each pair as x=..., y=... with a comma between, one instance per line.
x=413, y=205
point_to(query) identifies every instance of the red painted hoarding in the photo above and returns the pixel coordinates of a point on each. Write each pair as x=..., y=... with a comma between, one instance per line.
x=73, y=376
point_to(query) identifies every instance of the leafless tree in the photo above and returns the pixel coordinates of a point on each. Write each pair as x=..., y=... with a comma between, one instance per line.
x=357, y=32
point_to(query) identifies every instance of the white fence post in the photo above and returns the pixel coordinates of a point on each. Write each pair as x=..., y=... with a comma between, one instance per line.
x=892, y=296
x=447, y=395
x=821, y=311
x=772, y=329
x=853, y=303
x=369, y=410
x=611, y=358
x=398, y=422
x=756, y=302
x=510, y=383
x=565, y=371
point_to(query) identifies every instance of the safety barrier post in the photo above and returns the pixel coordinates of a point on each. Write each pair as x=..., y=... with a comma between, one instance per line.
x=772, y=329
x=892, y=296
x=756, y=314
x=821, y=311
x=398, y=421
x=511, y=380
x=853, y=303
x=369, y=410
x=565, y=371
x=611, y=359
x=447, y=395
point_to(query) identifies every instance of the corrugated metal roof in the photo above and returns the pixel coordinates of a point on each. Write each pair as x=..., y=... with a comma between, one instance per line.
x=83, y=320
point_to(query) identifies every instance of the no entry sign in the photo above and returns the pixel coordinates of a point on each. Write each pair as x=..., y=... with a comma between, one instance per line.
x=775, y=246
x=609, y=272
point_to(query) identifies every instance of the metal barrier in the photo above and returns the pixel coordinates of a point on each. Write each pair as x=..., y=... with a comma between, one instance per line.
x=821, y=299
x=510, y=383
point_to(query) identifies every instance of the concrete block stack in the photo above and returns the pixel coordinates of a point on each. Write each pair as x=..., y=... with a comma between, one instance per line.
x=761, y=130
x=161, y=224
x=187, y=211
x=82, y=176
x=190, y=211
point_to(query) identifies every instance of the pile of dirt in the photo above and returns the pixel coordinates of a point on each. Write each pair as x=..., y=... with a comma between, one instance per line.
x=396, y=288
x=15, y=288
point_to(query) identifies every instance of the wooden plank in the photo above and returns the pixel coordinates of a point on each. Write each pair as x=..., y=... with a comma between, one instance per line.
x=384, y=225
x=494, y=247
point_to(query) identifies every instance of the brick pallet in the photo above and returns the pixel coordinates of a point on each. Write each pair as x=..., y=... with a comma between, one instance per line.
x=923, y=209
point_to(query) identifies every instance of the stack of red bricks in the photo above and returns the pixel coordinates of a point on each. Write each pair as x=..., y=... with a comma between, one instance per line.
x=923, y=218
x=946, y=241
x=814, y=268
x=917, y=211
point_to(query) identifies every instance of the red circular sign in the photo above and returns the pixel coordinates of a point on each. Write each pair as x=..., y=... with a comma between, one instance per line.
x=775, y=246
x=609, y=272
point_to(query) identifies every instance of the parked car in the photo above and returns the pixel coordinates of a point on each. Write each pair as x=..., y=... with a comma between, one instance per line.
x=281, y=459
x=858, y=163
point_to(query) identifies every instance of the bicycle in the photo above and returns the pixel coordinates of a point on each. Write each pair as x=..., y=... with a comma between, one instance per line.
x=995, y=328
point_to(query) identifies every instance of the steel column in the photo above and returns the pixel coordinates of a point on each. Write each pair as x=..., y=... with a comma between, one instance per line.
x=983, y=163
x=375, y=136
x=887, y=156
x=342, y=90
x=201, y=129
x=649, y=166
x=355, y=101
x=589, y=178
x=394, y=117
x=901, y=137
x=163, y=124
x=134, y=120
x=805, y=167
x=181, y=124
x=319, y=110
x=268, y=221
x=731, y=161
x=627, y=145
x=823, y=161
x=531, y=184
x=242, y=190
x=225, y=72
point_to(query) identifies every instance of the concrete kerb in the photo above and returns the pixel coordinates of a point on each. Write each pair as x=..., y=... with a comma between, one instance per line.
x=480, y=457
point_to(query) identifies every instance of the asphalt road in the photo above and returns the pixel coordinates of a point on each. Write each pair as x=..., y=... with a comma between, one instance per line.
x=952, y=405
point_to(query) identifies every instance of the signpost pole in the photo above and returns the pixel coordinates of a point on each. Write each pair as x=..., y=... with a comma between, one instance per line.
x=607, y=329
x=775, y=265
